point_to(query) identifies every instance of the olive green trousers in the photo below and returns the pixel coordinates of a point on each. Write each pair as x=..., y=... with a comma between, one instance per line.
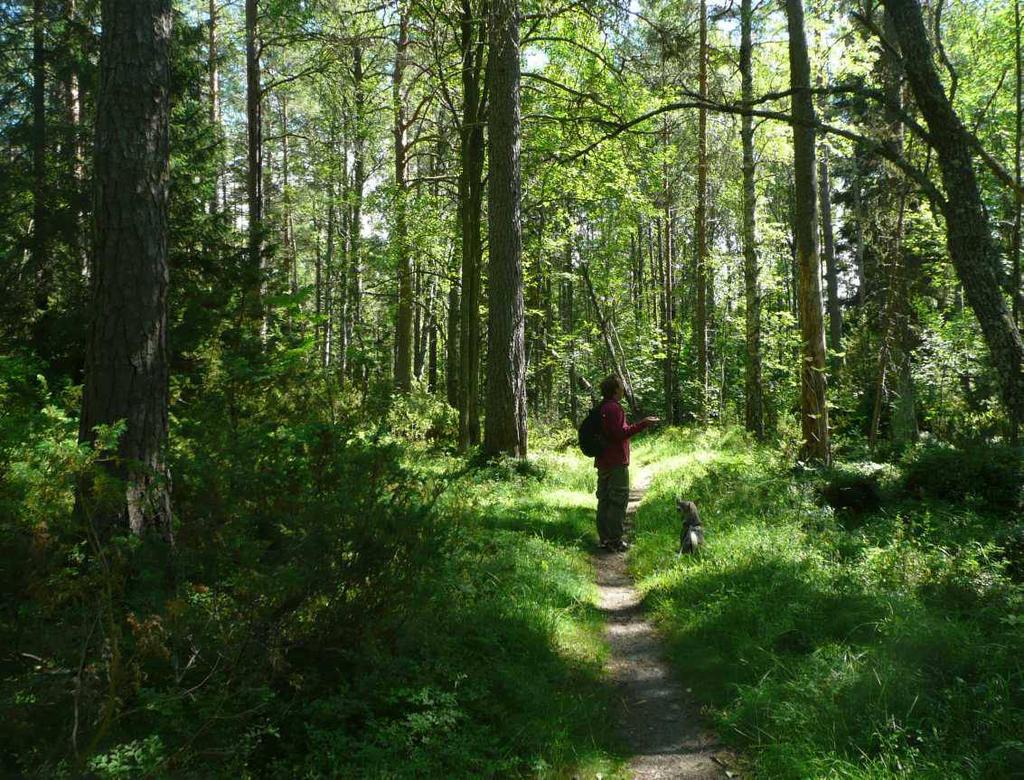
x=612, y=498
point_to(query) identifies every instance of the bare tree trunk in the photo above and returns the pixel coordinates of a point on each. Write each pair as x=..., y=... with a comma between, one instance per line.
x=753, y=387
x=505, y=424
x=213, y=75
x=835, y=311
x=400, y=239
x=254, y=176
x=700, y=327
x=813, y=402
x=126, y=353
x=1017, y=140
x=41, y=263
x=968, y=237
x=353, y=279
x=473, y=36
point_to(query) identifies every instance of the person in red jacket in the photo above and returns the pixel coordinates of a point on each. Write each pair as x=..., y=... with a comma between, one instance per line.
x=613, y=464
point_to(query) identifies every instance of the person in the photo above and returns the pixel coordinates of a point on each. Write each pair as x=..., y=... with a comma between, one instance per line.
x=613, y=464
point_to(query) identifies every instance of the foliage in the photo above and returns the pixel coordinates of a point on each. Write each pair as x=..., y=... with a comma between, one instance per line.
x=885, y=650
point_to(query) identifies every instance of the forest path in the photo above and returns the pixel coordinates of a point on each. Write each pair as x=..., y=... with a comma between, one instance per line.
x=656, y=718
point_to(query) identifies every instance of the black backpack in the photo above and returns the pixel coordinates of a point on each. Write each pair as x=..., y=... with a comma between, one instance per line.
x=591, y=437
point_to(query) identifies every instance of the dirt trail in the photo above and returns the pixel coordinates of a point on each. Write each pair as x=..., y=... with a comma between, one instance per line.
x=656, y=718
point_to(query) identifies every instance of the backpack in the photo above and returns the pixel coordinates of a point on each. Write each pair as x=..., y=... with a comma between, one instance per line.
x=591, y=437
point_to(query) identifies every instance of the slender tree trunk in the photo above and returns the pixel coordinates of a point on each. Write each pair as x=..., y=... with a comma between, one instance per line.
x=813, y=402
x=1017, y=140
x=214, y=86
x=753, y=387
x=700, y=328
x=400, y=239
x=254, y=175
x=835, y=311
x=968, y=237
x=505, y=424
x=354, y=273
x=41, y=263
x=126, y=353
x=471, y=153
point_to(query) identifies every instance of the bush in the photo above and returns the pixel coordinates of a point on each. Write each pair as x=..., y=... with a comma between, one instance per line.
x=991, y=474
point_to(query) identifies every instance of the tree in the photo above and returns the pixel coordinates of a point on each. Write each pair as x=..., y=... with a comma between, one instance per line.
x=400, y=239
x=505, y=424
x=701, y=278
x=968, y=237
x=254, y=151
x=813, y=402
x=753, y=387
x=126, y=360
x=473, y=35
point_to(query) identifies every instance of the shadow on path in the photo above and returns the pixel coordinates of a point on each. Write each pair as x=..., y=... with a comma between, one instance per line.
x=657, y=720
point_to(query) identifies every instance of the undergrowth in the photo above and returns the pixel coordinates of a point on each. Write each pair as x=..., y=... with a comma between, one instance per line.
x=834, y=643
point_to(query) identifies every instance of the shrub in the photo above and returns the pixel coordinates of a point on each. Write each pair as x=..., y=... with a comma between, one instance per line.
x=989, y=473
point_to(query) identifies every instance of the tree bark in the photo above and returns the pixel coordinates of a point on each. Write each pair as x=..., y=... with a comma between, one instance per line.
x=354, y=273
x=1018, y=132
x=126, y=357
x=400, y=239
x=813, y=402
x=968, y=237
x=254, y=132
x=505, y=424
x=473, y=36
x=835, y=311
x=41, y=263
x=753, y=386
x=213, y=75
x=700, y=327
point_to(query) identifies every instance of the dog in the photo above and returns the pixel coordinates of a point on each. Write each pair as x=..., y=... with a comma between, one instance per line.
x=691, y=536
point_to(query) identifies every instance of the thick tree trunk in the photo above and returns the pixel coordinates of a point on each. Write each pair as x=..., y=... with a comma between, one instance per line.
x=400, y=238
x=505, y=424
x=753, y=387
x=700, y=325
x=968, y=237
x=813, y=403
x=471, y=171
x=254, y=174
x=126, y=357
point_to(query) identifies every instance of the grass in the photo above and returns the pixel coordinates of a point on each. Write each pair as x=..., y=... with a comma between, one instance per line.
x=497, y=670
x=829, y=646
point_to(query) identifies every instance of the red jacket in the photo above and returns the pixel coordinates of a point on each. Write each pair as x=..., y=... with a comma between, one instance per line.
x=617, y=432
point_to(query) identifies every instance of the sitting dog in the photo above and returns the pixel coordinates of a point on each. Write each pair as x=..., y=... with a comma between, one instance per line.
x=691, y=537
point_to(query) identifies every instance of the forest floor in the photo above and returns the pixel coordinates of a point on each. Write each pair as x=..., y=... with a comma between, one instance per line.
x=657, y=720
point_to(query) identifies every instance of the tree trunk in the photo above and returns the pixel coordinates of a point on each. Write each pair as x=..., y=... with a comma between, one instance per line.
x=126, y=354
x=505, y=424
x=1018, y=130
x=400, y=239
x=753, y=387
x=254, y=175
x=813, y=402
x=214, y=108
x=968, y=237
x=700, y=326
x=354, y=273
x=41, y=263
x=835, y=312
x=471, y=170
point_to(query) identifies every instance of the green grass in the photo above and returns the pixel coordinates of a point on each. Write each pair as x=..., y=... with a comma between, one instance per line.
x=886, y=647
x=497, y=670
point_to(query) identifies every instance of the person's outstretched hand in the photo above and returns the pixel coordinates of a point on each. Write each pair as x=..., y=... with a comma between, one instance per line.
x=651, y=420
